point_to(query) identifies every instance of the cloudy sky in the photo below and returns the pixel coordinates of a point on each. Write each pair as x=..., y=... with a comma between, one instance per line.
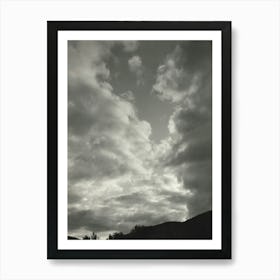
x=139, y=133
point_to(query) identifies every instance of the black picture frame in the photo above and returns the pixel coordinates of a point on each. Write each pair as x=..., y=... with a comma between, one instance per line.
x=52, y=87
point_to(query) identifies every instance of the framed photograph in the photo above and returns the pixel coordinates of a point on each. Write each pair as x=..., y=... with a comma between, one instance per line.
x=139, y=140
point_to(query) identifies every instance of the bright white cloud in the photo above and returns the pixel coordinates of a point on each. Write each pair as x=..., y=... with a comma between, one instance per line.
x=136, y=67
x=173, y=82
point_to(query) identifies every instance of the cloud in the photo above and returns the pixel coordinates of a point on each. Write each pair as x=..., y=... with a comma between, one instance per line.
x=188, y=149
x=128, y=95
x=115, y=177
x=136, y=67
x=175, y=83
x=135, y=63
x=130, y=46
x=121, y=211
x=190, y=155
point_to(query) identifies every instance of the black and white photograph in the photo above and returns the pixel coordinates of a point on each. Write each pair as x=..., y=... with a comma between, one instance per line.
x=139, y=140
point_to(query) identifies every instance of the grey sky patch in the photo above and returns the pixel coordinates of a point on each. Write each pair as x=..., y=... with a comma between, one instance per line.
x=130, y=46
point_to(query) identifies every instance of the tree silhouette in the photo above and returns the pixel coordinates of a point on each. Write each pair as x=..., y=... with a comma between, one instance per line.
x=116, y=235
x=93, y=236
x=119, y=235
x=137, y=229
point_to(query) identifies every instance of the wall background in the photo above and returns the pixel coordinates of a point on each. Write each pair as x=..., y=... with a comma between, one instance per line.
x=256, y=223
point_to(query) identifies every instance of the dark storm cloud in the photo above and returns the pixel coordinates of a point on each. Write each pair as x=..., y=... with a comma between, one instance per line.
x=185, y=80
x=198, y=179
x=195, y=142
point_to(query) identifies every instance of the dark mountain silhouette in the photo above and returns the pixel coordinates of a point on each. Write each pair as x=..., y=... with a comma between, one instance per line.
x=199, y=227
x=72, y=238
